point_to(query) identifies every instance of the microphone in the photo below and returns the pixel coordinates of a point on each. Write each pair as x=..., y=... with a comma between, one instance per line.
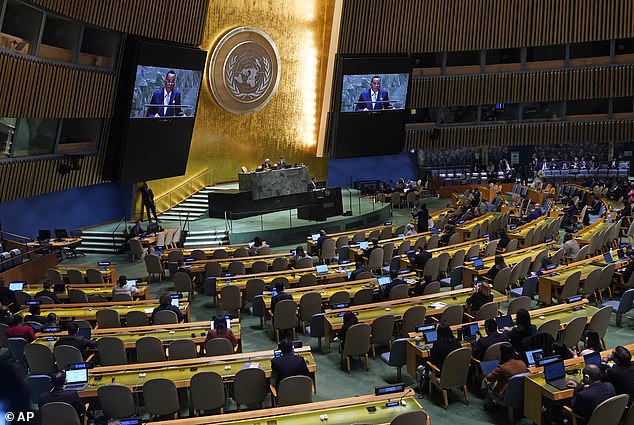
x=401, y=402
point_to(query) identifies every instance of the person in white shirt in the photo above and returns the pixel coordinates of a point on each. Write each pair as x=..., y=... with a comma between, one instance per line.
x=122, y=287
x=571, y=246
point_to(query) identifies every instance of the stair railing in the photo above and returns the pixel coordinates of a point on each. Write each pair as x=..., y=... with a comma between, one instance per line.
x=183, y=191
x=113, y=234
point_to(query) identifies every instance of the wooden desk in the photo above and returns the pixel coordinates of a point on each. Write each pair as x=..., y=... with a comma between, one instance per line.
x=556, y=278
x=449, y=249
x=198, y=266
x=584, y=235
x=343, y=411
x=311, y=245
x=293, y=276
x=88, y=311
x=417, y=351
x=354, y=251
x=165, y=333
x=536, y=389
x=208, y=250
x=465, y=228
x=510, y=258
x=181, y=371
x=520, y=232
x=366, y=313
x=108, y=273
x=56, y=244
x=326, y=291
x=95, y=290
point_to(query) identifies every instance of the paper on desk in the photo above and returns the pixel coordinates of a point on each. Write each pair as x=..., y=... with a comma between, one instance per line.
x=148, y=310
x=438, y=304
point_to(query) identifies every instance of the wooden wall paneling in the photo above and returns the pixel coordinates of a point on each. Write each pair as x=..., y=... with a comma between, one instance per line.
x=54, y=90
x=182, y=21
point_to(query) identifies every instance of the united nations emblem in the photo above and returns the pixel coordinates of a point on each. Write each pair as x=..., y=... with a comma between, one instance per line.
x=244, y=70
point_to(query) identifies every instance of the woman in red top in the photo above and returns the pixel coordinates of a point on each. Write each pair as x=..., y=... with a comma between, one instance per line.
x=221, y=331
x=20, y=330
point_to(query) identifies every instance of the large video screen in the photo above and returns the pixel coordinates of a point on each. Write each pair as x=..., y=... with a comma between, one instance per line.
x=368, y=114
x=165, y=92
x=373, y=92
x=153, y=122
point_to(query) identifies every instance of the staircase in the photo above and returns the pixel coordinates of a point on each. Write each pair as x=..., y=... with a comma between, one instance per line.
x=95, y=242
x=191, y=208
x=197, y=238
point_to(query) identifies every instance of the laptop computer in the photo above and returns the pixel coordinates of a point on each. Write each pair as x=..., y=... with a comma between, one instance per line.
x=76, y=379
x=175, y=300
x=426, y=328
x=593, y=358
x=532, y=356
x=227, y=319
x=608, y=257
x=555, y=375
x=434, y=230
x=546, y=360
x=469, y=332
x=504, y=322
x=364, y=245
x=430, y=337
x=314, y=237
x=620, y=253
x=131, y=282
x=383, y=280
x=321, y=269
x=17, y=285
x=85, y=332
x=478, y=264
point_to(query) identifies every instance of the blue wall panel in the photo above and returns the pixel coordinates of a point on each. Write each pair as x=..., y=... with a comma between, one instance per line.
x=68, y=209
x=342, y=172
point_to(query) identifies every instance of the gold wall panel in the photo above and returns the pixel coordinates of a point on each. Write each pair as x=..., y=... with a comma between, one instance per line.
x=570, y=84
x=61, y=90
x=181, y=21
x=223, y=142
x=400, y=26
x=522, y=134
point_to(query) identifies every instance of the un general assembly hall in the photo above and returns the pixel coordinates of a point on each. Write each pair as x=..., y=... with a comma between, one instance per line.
x=344, y=212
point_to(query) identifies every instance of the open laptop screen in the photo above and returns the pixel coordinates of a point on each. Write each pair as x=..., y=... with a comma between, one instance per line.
x=16, y=286
x=532, y=356
x=383, y=280
x=321, y=269
x=76, y=376
x=554, y=371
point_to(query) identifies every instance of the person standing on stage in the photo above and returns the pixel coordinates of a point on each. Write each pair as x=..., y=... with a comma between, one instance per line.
x=147, y=197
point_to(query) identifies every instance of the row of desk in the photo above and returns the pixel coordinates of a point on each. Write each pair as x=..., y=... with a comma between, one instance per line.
x=88, y=311
x=93, y=290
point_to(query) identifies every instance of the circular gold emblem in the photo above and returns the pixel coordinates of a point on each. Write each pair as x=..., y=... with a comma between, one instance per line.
x=244, y=70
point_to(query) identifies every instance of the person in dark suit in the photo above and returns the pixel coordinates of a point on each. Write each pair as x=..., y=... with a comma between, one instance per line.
x=7, y=296
x=34, y=315
x=137, y=230
x=164, y=100
x=385, y=289
x=419, y=259
x=282, y=162
x=445, y=344
x=47, y=292
x=266, y=165
x=374, y=98
x=479, y=298
x=281, y=295
x=422, y=219
x=77, y=341
x=312, y=186
x=493, y=337
x=288, y=364
x=360, y=268
x=147, y=196
x=589, y=393
x=523, y=329
x=59, y=394
x=322, y=237
x=621, y=375
x=165, y=303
